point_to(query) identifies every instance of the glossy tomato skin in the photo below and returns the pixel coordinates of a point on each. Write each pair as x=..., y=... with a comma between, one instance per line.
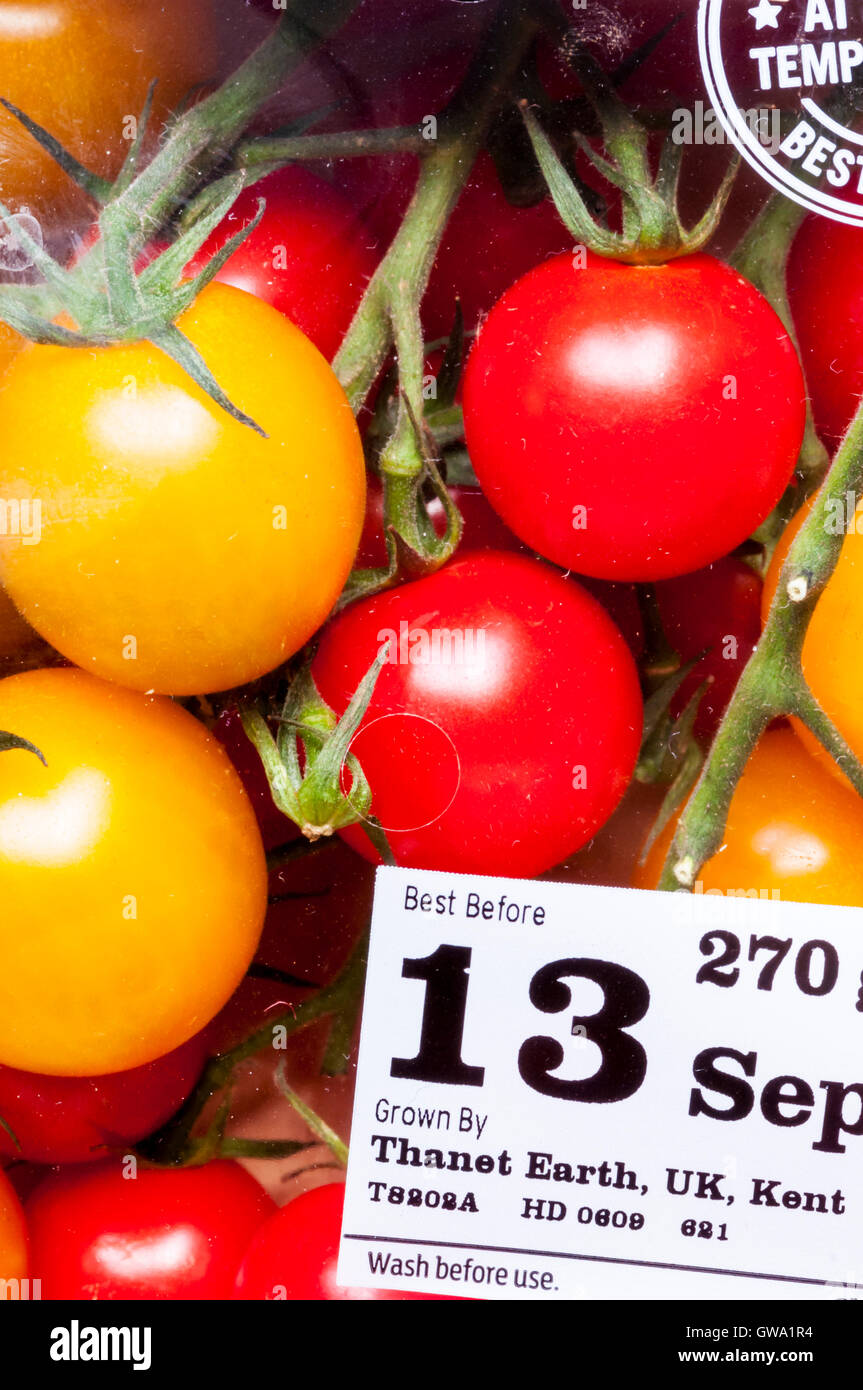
x=82, y=76
x=162, y=1234
x=633, y=423
x=132, y=876
x=294, y=1255
x=310, y=256
x=825, y=289
x=64, y=1119
x=505, y=726
x=13, y=1233
x=180, y=551
x=715, y=615
x=793, y=832
x=830, y=661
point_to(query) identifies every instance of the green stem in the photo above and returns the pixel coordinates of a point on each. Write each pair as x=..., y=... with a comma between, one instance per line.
x=389, y=314
x=175, y=1142
x=772, y=683
x=400, y=281
x=261, y=156
x=321, y=1130
x=762, y=256
x=204, y=134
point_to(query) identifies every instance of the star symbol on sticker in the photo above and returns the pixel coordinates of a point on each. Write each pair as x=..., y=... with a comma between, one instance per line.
x=766, y=14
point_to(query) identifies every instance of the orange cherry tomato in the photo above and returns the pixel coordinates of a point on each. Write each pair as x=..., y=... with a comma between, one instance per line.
x=81, y=68
x=132, y=877
x=793, y=830
x=13, y=1233
x=833, y=671
x=180, y=551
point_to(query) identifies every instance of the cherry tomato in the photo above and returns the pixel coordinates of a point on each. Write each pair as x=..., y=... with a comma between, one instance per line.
x=63, y=1119
x=483, y=528
x=132, y=876
x=633, y=423
x=825, y=288
x=294, y=1255
x=793, y=832
x=180, y=551
x=830, y=666
x=13, y=1233
x=83, y=76
x=161, y=1234
x=309, y=256
x=716, y=611
x=504, y=726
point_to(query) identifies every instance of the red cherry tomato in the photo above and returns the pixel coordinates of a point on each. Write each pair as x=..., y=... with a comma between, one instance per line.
x=716, y=611
x=294, y=1255
x=309, y=256
x=71, y=1119
x=825, y=287
x=505, y=725
x=633, y=423
x=164, y=1234
x=13, y=1233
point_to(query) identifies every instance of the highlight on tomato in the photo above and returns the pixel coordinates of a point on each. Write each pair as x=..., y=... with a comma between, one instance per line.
x=505, y=722
x=633, y=423
x=793, y=833
x=132, y=876
x=72, y=1119
x=13, y=1233
x=180, y=551
x=124, y=1231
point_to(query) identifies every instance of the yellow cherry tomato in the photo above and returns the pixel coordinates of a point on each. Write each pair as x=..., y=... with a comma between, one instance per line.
x=793, y=832
x=132, y=877
x=13, y=1233
x=178, y=550
x=81, y=68
x=834, y=673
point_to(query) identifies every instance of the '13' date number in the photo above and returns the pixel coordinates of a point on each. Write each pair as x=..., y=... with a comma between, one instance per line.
x=623, y=1063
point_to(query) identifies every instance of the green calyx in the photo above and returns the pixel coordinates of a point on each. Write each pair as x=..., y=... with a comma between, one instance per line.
x=105, y=295
x=304, y=761
x=104, y=298
x=652, y=230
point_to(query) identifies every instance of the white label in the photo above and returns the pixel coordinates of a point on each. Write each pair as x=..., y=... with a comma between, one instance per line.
x=569, y=1092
